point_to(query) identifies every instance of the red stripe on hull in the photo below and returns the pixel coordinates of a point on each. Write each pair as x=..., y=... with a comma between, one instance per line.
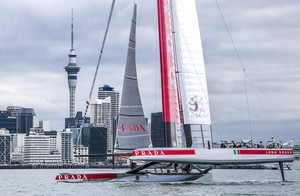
x=265, y=152
x=86, y=176
x=162, y=152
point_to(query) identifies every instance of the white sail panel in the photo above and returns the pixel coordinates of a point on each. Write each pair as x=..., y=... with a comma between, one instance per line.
x=193, y=85
x=201, y=136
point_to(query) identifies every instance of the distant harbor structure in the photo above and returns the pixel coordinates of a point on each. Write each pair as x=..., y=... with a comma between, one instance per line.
x=72, y=69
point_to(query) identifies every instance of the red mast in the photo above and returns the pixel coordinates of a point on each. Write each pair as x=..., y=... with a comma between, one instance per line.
x=171, y=115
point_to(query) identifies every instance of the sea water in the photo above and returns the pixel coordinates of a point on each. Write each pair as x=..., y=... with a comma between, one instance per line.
x=40, y=182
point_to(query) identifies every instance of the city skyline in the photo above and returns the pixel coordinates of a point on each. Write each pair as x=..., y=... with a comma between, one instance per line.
x=36, y=42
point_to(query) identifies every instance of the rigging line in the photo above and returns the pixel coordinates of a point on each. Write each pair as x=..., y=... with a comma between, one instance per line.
x=240, y=60
x=248, y=108
x=97, y=68
x=241, y=63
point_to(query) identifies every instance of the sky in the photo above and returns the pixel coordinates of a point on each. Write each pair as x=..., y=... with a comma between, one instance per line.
x=35, y=43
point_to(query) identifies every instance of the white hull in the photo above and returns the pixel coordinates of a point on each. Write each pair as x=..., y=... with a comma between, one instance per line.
x=217, y=156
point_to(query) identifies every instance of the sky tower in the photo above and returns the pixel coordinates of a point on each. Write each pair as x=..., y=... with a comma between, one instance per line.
x=72, y=69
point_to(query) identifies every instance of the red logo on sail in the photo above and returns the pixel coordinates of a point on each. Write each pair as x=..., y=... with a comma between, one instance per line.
x=196, y=106
x=132, y=128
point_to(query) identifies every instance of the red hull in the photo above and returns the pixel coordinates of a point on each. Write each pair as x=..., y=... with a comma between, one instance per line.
x=82, y=177
x=124, y=177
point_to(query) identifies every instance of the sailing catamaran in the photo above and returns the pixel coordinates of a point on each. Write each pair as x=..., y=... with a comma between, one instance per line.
x=185, y=109
x=185, y=97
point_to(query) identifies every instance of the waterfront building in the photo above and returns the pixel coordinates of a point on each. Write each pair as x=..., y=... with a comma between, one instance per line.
x=72, y=69
x=75, y=134
x=36, y=130
x=94, y=136
x=5, y=147
x=81, y=150
x=17, y=155
x=18, y=142
x=8, y=121
x=37, y=150
x=45, y=124
x=65, y=146
x=76, y=121
x=105, y=92
x=157, y=130
x=52, y=135
x=101, y=114
x=25, y=120
x=13, y=110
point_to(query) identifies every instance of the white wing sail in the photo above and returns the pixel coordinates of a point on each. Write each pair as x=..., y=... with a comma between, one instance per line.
x=191, y=63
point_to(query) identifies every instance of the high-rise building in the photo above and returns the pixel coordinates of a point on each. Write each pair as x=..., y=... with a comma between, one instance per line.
x=75, y=122
x=101, y=113
x=108, y=91
x=94, y=136
x=81, y=150
x=13, y=110
x=157, y=130
x=5, y=147
x=72, y=69
x=52, y=135
x=8, y=121
x=45, y=124
x=64, y=144
x=17, y=155
x=104, y=92
x=25, y=120
x=75, y=133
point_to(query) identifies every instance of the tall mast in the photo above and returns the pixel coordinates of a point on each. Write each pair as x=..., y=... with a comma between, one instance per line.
x=183, y=78
x=171, y=114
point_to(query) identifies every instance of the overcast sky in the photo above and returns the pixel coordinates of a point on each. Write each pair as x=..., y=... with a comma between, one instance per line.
x=35, y=43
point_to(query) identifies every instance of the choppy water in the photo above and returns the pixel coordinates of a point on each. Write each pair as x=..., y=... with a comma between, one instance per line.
x=224, y=182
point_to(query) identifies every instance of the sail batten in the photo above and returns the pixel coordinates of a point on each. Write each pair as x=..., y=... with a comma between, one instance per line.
x=132, y=131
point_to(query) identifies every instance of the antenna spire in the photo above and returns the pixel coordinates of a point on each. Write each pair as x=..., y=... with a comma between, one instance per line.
x=72, y=29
